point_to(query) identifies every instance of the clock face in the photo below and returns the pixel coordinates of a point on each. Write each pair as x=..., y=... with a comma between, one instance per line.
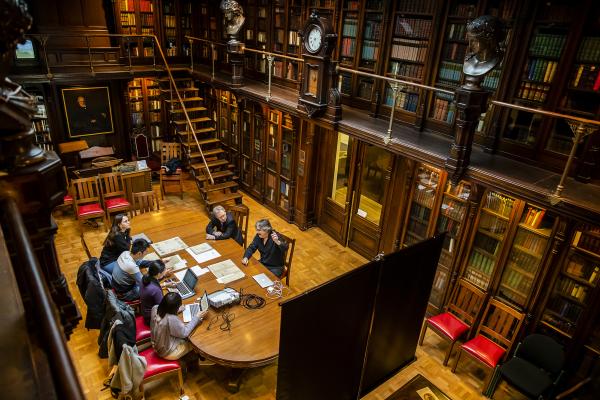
x=313, y=42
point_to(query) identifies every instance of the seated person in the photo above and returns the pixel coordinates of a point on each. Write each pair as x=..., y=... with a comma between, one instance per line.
x=117, y=241
x=151, y=289
x=271, y=248
x=169, y=333
x=126, y=274
x=222, y=226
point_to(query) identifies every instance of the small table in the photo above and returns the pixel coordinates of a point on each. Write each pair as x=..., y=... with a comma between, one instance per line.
x=418, y=382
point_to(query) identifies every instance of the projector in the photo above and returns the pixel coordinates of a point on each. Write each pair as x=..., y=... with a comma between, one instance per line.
x=223, y=297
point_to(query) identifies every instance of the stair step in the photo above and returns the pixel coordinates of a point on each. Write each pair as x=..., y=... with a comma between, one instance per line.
x=216, y=175
x=189, y=110
x=211, y=164
x=193, y=120
x=201, y=142
x=180, y=90
x=219, y=186
x=207, y=153
x=185, y=99
x=185, y=134
x=220, y=197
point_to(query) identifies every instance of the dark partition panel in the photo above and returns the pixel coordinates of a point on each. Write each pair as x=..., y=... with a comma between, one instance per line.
x=324, y=337
x=400, y=305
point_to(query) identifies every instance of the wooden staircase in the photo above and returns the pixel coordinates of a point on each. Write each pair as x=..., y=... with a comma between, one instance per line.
x=201, y=141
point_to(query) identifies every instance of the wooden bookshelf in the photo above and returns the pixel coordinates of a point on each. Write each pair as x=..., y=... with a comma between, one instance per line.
x=136, y=17
x=145, y=110
x=41, y=128
x=451, y=219
x=576, y=281
x=228, y=132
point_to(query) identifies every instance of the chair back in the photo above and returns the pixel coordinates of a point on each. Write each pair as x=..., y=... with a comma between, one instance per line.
x=169, y=151
x=287, y=257
x=501, y=324
x=241, y=215
x=144, y=202
x=466, y=302
x=86, y=190
x=111, y=185
x=544, y=352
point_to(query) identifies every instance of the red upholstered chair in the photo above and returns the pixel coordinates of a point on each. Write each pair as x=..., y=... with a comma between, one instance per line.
x=142, y=333
x=113, y=193
x=68, y=199
x=495, y=336
x=87, y=201
x=159, y=367
x=461, y=313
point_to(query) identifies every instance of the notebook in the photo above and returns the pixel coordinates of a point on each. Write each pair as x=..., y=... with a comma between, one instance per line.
x=263, y=280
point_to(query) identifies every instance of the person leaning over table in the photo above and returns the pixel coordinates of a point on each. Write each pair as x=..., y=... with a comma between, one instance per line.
x=222, y=226
x=169, y=334
x=117, y=241
x=151, y=292
x=271, y=247
x=126, y=275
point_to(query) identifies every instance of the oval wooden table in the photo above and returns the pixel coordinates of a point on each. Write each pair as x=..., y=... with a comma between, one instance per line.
x=253, y=339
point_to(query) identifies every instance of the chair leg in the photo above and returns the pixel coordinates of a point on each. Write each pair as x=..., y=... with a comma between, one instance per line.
x=449, y=353
x=457, y=360
x=422, y=336
x=494, y=381
x=180, y=375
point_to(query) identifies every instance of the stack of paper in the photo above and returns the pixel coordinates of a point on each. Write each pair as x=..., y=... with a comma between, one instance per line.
x=203, y=252
x=169, y=246
x=226, y=271
x=176, y=263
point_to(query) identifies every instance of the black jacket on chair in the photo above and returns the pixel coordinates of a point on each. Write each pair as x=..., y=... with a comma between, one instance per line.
x=124, y=333
x=92, y=291
x=229, y=229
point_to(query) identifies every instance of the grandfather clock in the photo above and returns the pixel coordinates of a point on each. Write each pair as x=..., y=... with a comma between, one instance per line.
x=318, y=42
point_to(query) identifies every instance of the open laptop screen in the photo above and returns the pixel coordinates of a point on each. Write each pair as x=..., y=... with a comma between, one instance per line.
x=190, y=279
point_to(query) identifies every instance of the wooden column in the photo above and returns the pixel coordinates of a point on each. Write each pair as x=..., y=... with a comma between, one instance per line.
x=305, y=176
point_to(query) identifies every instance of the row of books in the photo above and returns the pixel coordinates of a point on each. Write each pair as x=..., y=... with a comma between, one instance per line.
x=279, y=35
x=323, y=3
x=172, y=50
x=170, y=21
x=424, y=196
x=350, y=28
x=127, y=19
x=40, y=125
x=567, y=312
x=586, y=77
x=370, y=50
x=154, y=117
x=485, y=242
x=402, y=69
x=533, y=92
x=455, y=52
x=352, y=5
x=293, y=38
x=372, y=30
x=348, y=47
x=587, y=242
x=412, y=27
x=137, y=119
x=462, y=190
x=374, y=4
x=411, y=50
x=531, y=242
x=589, y=50
x=558, y=12
x=523, y=260
x=405, y=101
x=262, y=12
x=261, y=37
x=154, y=105
x=457, y=32
x=454, y=209
x=481, y=262
x=493, y=224
x=571, y=288
x=541, y=70
x=147, y=19
x=446, y=224
x=547, y=45
x=515, y=280
x=450, y=71
x=492, y=79
x=463, y=10
x=443, y=110
x=477, y=278
x=417, y=6
x=279, y=17
x=420, y=211
x=498, y=203
x=417, y=227
x=129, y=5
x=136, y=105
x=533, y=217
x=365, y=89
x=168, y=7
x=506, y=9
x=580, y=268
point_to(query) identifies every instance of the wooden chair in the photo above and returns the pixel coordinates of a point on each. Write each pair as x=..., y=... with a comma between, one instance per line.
x=144, y=202
x=168, y=152
x=142, y=333
x=287, y=257
x=461, y=313
x=157, y=368
x=240, y=215
x=495, y=337
x=68, y=199
x=113, y=193
x=87, y=201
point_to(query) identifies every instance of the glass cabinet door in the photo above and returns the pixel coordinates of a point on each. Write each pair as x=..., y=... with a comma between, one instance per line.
x=451, y=217
x=233, y=116
x=373, y=184
x=287, y=142
x=273, y=141
x=492, y=225
x=246, y=133
x=258, y=138
x=526, y=255
x=341, y=172
x=423, y=199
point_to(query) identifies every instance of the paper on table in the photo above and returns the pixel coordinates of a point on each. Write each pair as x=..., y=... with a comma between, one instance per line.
x=226, y=271
x=176, y=262
x=140, y=236
x=169, y=246
x=151, y=257
x=231, y=277
x=199, y=271
x=201, y=248
x=204, y=256
x=263, y=280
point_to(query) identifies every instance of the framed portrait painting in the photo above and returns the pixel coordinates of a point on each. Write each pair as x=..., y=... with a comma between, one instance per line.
x=87, y=111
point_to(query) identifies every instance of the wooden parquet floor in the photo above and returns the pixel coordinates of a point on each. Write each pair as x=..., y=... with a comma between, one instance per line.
x=317, y=259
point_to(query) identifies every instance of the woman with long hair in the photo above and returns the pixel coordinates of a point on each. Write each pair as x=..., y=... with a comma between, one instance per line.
x=151, y=290
x=169, y=333
x=117, y=241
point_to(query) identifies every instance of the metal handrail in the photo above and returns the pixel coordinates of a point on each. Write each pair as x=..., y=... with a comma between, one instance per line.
x=156, y=44
x=191, y=39
x=547, y=113
x=61, y=364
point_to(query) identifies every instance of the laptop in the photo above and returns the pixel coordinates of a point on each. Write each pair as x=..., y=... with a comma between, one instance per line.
x=193, y=309
x=185, y=288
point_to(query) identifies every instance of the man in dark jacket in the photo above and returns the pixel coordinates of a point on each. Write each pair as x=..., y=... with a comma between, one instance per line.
x=92, y=282
x=222, y=226
x=271, y=247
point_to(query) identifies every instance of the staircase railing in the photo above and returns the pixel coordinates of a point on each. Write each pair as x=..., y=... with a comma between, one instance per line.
x=67, y=384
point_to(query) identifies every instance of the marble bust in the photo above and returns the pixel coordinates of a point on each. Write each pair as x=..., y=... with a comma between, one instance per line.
x=485, y=35
x=233, y=17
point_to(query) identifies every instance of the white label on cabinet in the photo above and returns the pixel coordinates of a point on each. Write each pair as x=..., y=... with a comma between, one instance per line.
x=361, y=213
